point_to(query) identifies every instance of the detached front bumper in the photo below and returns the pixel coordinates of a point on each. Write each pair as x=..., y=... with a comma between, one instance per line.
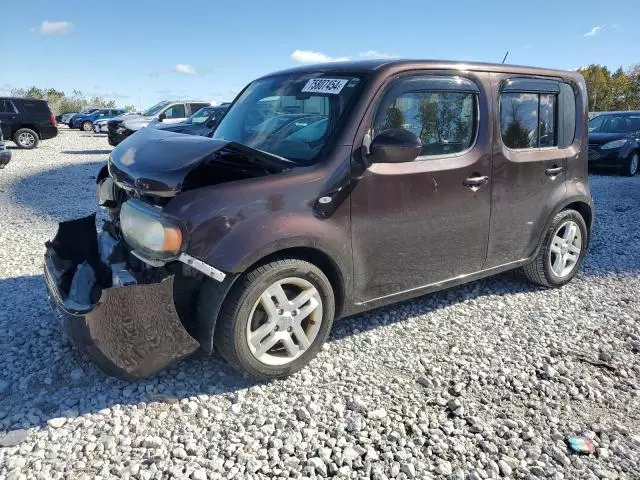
x=131, y=331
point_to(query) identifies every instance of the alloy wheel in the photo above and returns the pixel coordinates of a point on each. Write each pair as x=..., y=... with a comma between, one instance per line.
x=26, y=139
x=565, y=249
x=284, y=321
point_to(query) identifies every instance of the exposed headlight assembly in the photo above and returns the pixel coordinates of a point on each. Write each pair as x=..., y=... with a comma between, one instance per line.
x=149, y=232
x=614, y=144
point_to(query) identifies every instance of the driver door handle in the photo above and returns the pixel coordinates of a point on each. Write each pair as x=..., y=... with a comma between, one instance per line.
x=476, y=181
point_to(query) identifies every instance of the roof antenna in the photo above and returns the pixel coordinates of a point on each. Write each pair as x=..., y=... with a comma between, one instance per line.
x=505, y=56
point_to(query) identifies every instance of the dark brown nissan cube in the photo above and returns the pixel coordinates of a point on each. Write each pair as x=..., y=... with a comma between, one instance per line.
x=325, y=191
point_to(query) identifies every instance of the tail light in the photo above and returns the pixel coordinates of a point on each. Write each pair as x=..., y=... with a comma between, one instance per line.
x=52, y=119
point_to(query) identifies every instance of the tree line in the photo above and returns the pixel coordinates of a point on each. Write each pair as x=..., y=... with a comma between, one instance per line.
x=59, y=102
x=608, y=91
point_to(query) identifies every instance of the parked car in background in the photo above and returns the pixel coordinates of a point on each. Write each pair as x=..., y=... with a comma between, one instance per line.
x=202, y=123
x=66, y=117
x=26, y=121
x=100, y=126
x=5, y=153
x=254, y=240
x=164, y=112
x=614, y=142
x=85, y=121
x=83, y=112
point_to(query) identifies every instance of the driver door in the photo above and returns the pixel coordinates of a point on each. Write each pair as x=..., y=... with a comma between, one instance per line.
x=419, y=223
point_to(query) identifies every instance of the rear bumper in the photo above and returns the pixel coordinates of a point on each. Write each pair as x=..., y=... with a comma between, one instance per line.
x=131, y=331
x=5, y=157
x=47, y=133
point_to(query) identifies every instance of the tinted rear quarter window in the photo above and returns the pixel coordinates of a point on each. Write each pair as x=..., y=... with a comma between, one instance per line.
x=35, y=107
x=537, y=119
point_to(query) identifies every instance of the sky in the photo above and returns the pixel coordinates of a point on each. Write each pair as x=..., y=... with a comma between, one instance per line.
x=139, y=52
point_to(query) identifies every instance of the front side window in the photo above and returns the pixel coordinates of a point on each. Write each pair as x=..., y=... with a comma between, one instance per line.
x=614, y=123
x=155, y=109
x=444, y=121
x=175, y=111
x=527, y=120
x=292, y=116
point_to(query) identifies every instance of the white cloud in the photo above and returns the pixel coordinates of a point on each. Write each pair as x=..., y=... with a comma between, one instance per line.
x=309, y=56
x=53, y=28
x=185, y=68
x=594, y=31
x=376, y=54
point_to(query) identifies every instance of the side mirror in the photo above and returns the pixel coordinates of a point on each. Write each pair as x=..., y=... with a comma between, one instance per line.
x=162, y=116
x=396, y=145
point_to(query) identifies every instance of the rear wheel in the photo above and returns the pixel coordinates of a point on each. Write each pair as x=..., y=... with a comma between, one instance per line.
x=26, y=138
x=86, y=126
x=562, y=252
x=632, y=165
x=275, y=318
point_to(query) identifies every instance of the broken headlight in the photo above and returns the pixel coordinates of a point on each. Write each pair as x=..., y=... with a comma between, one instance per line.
x=106, y=193
x=149, y=232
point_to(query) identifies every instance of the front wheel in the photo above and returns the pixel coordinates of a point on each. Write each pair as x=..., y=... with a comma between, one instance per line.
x=275, y=319
x=631, y=166
x=26, y=138
x=562, y=251
x=86, y=126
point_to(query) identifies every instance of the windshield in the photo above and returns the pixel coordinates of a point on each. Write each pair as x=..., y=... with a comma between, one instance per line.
x=155, y=109
x=290, y=116
x=614, y=124
x=200, y=116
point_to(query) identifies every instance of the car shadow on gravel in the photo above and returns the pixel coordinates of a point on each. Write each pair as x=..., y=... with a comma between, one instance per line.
x=86, y=152
x=45, y=377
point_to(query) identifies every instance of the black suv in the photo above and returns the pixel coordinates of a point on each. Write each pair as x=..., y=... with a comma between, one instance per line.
x=5, y=155
x=26, y=121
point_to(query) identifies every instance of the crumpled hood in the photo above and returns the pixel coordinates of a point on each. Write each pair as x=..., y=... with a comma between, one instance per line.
x=158, y=162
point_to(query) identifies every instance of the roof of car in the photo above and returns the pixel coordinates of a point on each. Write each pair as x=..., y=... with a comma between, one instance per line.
x=619, y=112
x=23, y=98
x=362, y=66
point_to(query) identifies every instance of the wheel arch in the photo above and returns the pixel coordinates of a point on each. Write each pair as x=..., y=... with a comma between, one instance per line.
x=320, y=259
x=215, y=293
x=20, y=126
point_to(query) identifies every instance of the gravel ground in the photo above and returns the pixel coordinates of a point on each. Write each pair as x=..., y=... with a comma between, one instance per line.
x=481, y=381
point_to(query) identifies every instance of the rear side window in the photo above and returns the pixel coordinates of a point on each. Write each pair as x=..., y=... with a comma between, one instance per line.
x=444, y=119
x=537, y=113
x=7, y=107
x=197, y=106
x=30, y=106
x=527, y=120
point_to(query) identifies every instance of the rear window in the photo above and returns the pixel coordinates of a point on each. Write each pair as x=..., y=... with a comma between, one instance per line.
x=34, y=106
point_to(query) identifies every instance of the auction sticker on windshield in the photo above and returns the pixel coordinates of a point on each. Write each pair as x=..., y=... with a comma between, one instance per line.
x=325, y=85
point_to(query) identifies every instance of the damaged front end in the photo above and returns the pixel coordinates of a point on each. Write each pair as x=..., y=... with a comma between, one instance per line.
x=128, y=293
x=118, y=310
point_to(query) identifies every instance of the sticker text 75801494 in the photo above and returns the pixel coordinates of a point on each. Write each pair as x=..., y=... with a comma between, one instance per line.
x=325, y=85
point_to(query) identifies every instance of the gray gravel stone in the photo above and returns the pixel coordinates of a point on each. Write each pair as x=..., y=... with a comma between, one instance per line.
x=473, y=381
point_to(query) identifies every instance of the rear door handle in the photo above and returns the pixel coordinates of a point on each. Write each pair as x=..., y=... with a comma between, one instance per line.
x=476, y=181
x=553, y=171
